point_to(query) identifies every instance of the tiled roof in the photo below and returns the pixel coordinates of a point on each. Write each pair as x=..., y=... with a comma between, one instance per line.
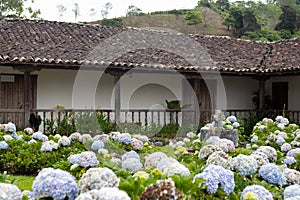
x=48, y=43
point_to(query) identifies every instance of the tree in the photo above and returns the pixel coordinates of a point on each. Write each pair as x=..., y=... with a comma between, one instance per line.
x=61, y=10
x=16, y=9
x=133, y=11
x=250, y=22
x=93, y=12
x=223, y=4
x=76, y=10
x=107, y=7
x=116, y=22
x=205, y=3
x=193, y=17
x=288, y=19
x=236, y=16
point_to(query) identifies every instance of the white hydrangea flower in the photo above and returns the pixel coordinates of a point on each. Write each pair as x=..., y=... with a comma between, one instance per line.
x=28, y=131
x=64, y=141
x=97, y=178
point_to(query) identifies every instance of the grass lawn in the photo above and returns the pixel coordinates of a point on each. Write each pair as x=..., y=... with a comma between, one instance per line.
x=23, y=182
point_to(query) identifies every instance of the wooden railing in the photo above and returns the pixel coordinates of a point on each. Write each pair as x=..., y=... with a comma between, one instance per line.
x=140, y=116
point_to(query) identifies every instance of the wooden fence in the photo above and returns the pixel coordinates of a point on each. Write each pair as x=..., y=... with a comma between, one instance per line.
x=140, y=116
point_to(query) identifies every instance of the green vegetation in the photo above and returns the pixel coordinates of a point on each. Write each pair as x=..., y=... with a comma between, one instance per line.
x=270, y=21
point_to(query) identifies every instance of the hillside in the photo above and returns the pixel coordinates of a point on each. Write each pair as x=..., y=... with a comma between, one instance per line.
x=211, y=23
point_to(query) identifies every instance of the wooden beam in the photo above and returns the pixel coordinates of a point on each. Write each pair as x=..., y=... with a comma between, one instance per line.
x=117, y=89
x=27, y=80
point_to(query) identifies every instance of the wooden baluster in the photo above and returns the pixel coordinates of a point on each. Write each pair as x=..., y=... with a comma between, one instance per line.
x=139, y=113
x=146, y=118
x=158, y=118
x=132, y=116
x=44, y=120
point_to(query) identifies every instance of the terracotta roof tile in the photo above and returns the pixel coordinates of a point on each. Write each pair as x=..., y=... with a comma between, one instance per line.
x=47, y=42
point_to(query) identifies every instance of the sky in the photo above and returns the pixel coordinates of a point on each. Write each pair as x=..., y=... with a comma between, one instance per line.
x=49, y=8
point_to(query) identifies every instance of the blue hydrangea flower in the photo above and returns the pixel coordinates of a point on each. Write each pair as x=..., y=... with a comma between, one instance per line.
x=73, y=159
x=130, y=154
x=232, y=119
x=55, y=183
x=11, y=127
x=254, y=139
x=32, y=141
x=3, y=145
x=29, y=194
x=131, y=164
x=289, y=160
x=280, y=140
x=244, y=165
x=293, y=152
x=236, y=124
x=263, y=193
x=9, y=192
x=292, y=191
x=272, y=174
x=285, y=147
x=96, y=145
x=39, y=136
x=215, y=175
x=281, y=126
x=261, y=127
x=124, y=138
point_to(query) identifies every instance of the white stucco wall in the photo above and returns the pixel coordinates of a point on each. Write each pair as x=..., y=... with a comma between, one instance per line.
x=239, y=91
x=58, y=87
x=293, y=90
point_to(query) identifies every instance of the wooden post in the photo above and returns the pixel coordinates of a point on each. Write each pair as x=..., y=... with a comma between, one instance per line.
x=262, y=92
x=27, y=95
x=117, y=98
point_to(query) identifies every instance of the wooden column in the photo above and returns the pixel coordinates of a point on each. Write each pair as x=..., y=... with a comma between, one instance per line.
x=27, y=85
x=262, y=92
x=117, y=86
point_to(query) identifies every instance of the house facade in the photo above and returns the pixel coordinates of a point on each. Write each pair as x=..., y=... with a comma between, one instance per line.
x=132, y=72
